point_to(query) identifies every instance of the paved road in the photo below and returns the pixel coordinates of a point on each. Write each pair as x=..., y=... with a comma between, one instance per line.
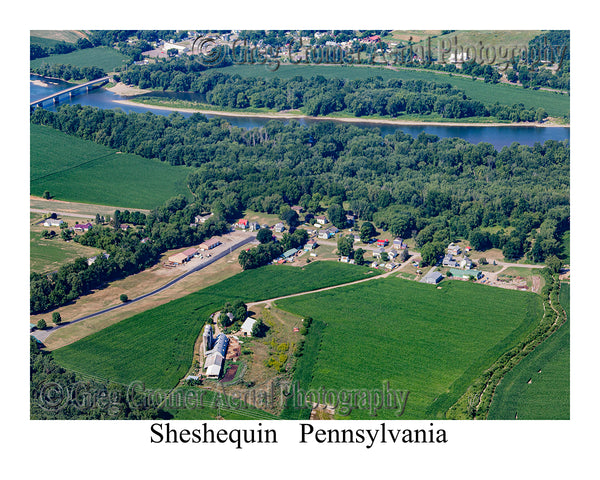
x=41, y=335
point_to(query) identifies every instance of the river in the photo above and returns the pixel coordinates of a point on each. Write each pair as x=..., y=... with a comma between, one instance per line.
x=497, y=136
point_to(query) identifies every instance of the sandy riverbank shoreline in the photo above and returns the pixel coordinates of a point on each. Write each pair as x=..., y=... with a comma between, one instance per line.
x=375, y=121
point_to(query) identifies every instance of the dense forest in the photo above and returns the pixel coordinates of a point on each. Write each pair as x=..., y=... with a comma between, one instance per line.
x=430, y=189
x=320, y=96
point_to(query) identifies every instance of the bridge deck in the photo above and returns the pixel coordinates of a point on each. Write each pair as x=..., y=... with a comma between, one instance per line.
x=67, y=90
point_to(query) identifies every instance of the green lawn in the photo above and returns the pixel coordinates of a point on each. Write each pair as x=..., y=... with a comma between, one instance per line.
x=547, y=397
x=48, y=255
x=79, y=170
x=156, y=346
x=432, y=342
x=105, y=58
x=555, y=104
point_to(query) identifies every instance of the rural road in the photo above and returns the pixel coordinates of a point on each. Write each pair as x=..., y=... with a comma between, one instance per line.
x=41, y=335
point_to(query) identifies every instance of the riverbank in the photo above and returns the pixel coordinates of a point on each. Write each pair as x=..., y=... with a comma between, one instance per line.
x=376, y=121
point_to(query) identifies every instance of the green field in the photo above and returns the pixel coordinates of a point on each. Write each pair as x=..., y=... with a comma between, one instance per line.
x=557, y=105
x=156, y=346
x=79, y=170
x=547, y=397
x=48, y=255
x=105, y=58
x=432, y=342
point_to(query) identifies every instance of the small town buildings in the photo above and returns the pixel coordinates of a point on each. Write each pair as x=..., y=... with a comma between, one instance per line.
x=466, y=263
x=466, y=273
x=454, y=249
x=449, y=261
x=209, y=244
x=184, y=256
x=279, y=227
x=247, y=326
x=202, y=218
x=288, y=254
x=399, y=244
x=53, y=222
x=82, y=228
x=432, y=277
x=311, y=244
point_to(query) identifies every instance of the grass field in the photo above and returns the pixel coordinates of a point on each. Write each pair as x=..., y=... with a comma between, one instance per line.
x=432, y=342
x=48, y=255
x=547, y=397
x=156, y=346
x=69, y=36
x=555, y=104
x=79, y=170
x=105, y=58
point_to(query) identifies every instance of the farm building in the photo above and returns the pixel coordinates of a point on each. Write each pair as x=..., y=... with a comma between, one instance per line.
x=207, y=338
x=184, y=256
x=247, y=326
x=466, y=273
x=220, y=345
x=209, y=244
x=214, y=365
x=433, y=277
x=53, y=222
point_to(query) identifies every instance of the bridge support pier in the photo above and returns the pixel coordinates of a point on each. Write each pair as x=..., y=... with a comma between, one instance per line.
x=56, y=100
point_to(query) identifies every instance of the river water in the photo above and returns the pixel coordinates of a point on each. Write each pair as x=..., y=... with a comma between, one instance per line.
x=497, y=136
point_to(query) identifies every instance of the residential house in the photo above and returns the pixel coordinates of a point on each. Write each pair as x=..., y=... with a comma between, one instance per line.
x=322, y=220
x=399, y=244
x=202, y=218
x=242, y=223
x=350, y=219
x=253, y=226
x=311, y=244
x=53, y=222
x=383, y=243
x=449, y=261
x=297, y=209
x=454, y=249
x=279, y=227
x=377, y=253
x=466, y=263
x=82, y=228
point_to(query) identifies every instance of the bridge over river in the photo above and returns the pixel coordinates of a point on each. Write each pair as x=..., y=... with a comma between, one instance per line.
x=70, y=91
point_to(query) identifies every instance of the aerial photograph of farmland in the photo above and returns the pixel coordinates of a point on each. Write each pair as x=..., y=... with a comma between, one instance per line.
x=299, y=225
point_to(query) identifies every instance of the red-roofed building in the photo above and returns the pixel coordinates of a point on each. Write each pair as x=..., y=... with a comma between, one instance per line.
x=383, y=243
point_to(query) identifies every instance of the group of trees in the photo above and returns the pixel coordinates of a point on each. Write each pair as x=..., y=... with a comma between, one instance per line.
x=317, y=95
x=41, y=51
x=68, y=72
x=130, y=252
x=431, y=189
x=231, y=313
x=270, y=248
